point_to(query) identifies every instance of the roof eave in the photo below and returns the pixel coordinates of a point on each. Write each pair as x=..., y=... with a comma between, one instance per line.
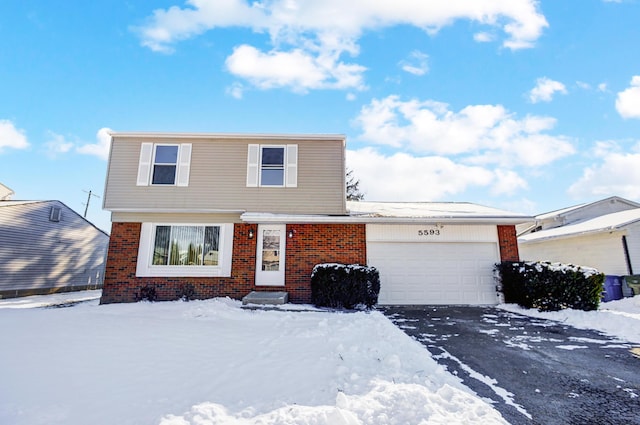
x=609, y=229
x=293, y=218
x=257, y=136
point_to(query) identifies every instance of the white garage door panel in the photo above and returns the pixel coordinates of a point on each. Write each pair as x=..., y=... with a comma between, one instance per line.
x=435, y=273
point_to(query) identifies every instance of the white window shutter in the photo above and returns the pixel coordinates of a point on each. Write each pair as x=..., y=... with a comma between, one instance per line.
x=291, y=172
x=184, y=165
x=144, y=165
x=253, y=165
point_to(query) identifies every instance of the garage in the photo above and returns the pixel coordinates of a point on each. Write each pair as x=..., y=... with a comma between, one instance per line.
x=434, y=264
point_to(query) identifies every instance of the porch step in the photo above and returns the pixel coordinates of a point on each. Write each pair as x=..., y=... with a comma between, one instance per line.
x=255, y=297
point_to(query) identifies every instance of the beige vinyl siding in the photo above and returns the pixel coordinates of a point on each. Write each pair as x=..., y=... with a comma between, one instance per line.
x=192, y=218
x=38, y=254
x=218, y=178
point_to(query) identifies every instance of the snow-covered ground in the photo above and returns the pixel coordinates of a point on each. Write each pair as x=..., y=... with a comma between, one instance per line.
x=620, y=319
x=213, y=362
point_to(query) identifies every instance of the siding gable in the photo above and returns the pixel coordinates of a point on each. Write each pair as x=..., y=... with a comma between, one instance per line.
x=223, y=176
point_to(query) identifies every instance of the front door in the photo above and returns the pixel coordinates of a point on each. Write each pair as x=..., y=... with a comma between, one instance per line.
x=270, y=255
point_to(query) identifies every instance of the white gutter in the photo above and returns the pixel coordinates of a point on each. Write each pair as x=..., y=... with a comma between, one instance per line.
x=175, y=210
x=177, y=135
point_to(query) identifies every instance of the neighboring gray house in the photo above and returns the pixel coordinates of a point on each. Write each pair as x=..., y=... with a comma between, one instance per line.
x=47, y=247
x=604, y=234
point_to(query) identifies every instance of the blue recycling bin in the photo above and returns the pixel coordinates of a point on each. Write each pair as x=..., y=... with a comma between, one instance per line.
x=612, y=288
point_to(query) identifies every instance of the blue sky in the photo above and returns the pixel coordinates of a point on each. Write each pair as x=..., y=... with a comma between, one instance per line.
x=524, y=105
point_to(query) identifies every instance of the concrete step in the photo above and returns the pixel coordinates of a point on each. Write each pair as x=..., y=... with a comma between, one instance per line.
x=269, y=298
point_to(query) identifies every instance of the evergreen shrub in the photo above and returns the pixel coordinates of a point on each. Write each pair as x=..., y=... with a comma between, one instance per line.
x=344, y=286
x=550, y=286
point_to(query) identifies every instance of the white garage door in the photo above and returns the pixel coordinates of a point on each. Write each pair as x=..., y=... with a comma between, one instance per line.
x=435, y=273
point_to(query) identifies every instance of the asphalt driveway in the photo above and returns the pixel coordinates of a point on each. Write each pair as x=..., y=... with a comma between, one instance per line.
x=534, y=371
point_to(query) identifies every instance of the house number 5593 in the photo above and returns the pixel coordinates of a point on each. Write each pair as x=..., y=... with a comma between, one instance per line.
x=429, y=232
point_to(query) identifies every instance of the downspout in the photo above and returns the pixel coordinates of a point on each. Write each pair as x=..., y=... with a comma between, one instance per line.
x=626, y=254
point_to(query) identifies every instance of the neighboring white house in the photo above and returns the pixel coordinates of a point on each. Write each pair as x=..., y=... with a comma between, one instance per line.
x=5, y=193
x=604, y=235
x=47, y=247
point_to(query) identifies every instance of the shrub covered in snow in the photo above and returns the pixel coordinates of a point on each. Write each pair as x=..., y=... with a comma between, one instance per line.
x=344, y=286
x=550, y=286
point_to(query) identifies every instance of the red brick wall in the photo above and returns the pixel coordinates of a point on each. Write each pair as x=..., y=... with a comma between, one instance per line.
x=508, y=243
x=311, y=244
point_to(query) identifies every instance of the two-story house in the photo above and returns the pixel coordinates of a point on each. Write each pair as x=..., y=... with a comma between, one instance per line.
x=228, y=214
x=192, y=209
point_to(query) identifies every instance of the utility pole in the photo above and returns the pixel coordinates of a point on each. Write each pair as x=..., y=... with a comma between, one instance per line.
x=86, y=208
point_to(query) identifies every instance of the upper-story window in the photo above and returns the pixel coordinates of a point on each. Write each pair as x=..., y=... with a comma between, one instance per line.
x=272, y=166
x=164, y=164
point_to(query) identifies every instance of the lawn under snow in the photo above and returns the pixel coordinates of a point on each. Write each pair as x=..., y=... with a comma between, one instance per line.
x=213, y=362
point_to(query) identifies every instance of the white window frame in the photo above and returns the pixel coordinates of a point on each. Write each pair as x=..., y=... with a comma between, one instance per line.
x=262, y=167
x=146, y=268
x=147, y=162
x=254, y=165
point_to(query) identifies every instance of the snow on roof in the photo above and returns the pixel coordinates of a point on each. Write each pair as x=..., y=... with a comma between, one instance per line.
x=438, y=210
x=400, y=212
x=604, y=223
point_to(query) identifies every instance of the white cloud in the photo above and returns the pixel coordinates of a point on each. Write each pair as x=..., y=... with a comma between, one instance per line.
x=508, y=182
x=102, y=146
x=483, y=37
x=416, y=64
x=617, y=174
x=296, y=69
x=11, y=137
x=478, y=134
x=545, y=89
x=583, y=85
x=403, y=177
x=57, y=144
x=602, y=87
x=314, y=35
x=235, y=90
x=628, y=100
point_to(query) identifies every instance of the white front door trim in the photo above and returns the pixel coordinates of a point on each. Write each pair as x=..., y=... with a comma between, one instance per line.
x=270, y=254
